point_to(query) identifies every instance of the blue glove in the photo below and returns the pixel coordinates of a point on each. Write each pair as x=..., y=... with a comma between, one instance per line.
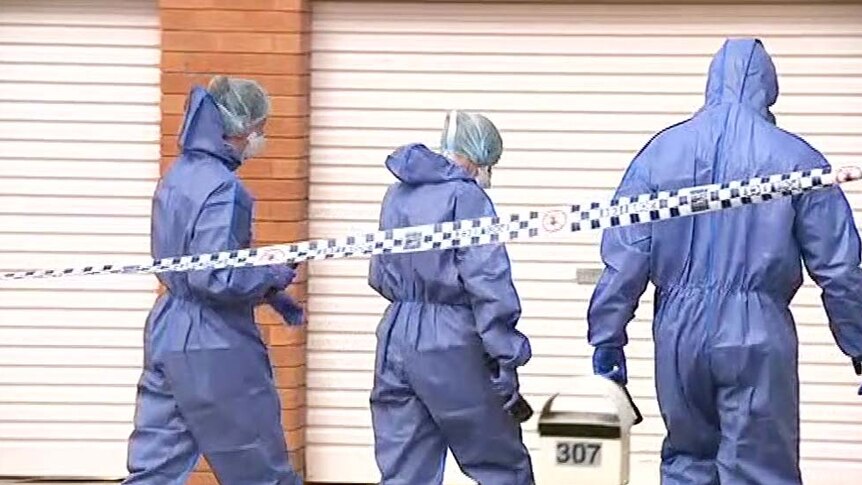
x=505, y=383
x=289, y=310
x=610, y=363
x=857, y=366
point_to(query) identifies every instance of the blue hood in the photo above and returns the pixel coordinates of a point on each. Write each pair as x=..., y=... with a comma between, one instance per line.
x=203, y=129
x=415, y=164
x=742, y=72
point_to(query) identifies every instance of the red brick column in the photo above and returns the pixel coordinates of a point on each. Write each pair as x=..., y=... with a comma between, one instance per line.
x=266, y=40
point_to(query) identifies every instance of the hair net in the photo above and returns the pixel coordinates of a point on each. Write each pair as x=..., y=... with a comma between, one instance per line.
x=473, y=136
x=242, y=103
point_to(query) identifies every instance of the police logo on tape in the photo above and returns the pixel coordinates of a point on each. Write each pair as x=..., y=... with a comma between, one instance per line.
x=273, y=255
x=554, y=220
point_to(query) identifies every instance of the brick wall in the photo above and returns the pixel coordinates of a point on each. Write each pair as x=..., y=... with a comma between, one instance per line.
x=267, y=40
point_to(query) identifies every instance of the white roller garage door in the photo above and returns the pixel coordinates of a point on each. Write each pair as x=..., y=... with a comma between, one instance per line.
x=576, y=90
x=79, y=151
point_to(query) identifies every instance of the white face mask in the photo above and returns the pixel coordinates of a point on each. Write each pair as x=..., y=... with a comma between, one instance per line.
x=483, y=177
x=255, y=145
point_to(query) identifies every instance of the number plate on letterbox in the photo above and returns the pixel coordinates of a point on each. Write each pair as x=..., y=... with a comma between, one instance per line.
x=579, y=453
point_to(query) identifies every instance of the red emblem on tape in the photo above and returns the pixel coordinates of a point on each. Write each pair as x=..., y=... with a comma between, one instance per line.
x=554, y=220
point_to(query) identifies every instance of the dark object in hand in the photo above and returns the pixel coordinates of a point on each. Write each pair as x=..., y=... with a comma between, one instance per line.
x=521, y=410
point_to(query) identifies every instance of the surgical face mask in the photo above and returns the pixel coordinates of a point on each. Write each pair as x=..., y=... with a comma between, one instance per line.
x=483, y=177
x=254, y=146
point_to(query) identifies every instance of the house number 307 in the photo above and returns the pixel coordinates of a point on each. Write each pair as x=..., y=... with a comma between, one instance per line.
x=583, y=454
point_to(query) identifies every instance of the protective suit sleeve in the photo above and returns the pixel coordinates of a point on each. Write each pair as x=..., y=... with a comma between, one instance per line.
x=374, y=275
x=291, y=311
x=829, y=241
x=487, y=277
x=626, y=254
x=217, y=228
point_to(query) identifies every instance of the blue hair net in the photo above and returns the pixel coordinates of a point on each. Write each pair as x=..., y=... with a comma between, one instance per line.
x=473, y=136
x=242, y=102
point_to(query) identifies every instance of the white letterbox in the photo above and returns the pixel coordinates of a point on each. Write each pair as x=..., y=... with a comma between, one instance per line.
x=579, y=446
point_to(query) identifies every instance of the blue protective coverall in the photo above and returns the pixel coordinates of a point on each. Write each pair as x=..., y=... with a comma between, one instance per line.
x=452, y=315
x=207, y=385
x=725, y=340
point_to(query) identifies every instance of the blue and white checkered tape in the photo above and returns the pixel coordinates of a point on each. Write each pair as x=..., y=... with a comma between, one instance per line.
x=623, y=211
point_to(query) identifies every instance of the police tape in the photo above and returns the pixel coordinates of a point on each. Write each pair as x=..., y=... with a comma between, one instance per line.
x=618, y=212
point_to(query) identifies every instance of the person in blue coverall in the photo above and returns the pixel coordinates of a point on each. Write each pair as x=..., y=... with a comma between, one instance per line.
x=448, y=350
x=207, y=385
x=725, y=340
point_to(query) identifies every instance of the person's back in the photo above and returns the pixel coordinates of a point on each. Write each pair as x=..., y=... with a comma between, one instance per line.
x=734, y=137
x=726, y=346
x=207, y=385
x=202, y=177
x=429, y=190
x=447, y=349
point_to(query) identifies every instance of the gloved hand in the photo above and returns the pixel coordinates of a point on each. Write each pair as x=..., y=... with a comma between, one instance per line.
x=857, y=366
x=505, y=383
x=289, y=310
x=610, y=363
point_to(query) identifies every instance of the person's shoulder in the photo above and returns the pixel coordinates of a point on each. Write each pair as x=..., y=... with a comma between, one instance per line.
x=670, y=136
x=793, y=151
x=792, y=141
x=467, y=189
x=472, y=199
x=681, y=130
x=393, y=189
x=207, y=180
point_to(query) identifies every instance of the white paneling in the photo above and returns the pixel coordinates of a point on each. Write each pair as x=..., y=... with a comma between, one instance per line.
x=66, y=131
x=566, y=102
x=125, y=357
x=50, y=224
x=18, y=454
x=586, y=45
x=58, y=54
x=74, y=318
x=562, y=83
x=92, y=375
x=76, y=169
x=83, y=205
x=70, y=395
x=94, y=113
x=79, y=158
x=97, y=36
x=69, y=338
x=561, y=122
x=120, y=189
x=576, y=90
x=113, y=300
x=535, y=158
x=552, y=141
